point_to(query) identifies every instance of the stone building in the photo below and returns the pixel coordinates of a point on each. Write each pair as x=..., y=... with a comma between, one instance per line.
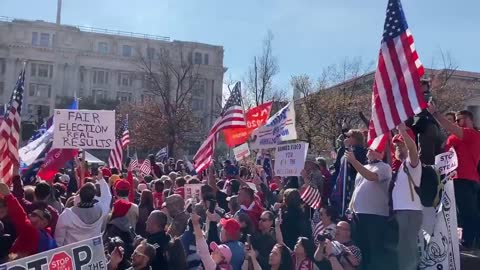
x=63, y=61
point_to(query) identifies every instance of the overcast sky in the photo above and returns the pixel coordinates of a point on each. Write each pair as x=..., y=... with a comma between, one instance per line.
x=309, y=34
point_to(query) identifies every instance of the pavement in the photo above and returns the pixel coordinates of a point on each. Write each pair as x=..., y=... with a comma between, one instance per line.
x=470, y=260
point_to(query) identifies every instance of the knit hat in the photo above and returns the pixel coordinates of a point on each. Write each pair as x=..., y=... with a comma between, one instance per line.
x=379, y=143
x=223, y=249
x=120, y=208
x=231, y=226
x=122, y=185
x=106, y=172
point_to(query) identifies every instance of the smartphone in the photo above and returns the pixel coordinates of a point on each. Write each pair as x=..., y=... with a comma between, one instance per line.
x=249, y=241
x=213, y=204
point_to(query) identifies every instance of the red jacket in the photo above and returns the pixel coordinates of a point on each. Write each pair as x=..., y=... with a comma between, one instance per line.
x=254, y=211
x=28, y=237
x=29, y=206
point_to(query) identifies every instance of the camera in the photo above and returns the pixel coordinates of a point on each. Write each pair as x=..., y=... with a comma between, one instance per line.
x=322, y=237
x=213, y=204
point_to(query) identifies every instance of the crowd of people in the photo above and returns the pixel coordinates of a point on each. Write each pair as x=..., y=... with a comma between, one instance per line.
x=248, y=218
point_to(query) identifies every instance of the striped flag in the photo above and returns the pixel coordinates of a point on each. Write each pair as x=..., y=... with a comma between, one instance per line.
x=122, y=141
x=311, y=196
x=162, y=154
x=232, y=116
x=133, y=162
x=146, y=167
x=397, y=92
x=10, y=131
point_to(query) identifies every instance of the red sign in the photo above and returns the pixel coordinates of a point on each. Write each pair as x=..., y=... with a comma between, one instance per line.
x=61, y=261
x=255, y=117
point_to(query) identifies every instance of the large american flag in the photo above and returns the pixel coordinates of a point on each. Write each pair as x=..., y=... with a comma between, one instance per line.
x=397, y=93
x=122, y=141
x=232, y=116
x=10, y=131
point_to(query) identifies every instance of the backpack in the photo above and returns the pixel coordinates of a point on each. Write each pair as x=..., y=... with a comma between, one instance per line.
x=430, y=186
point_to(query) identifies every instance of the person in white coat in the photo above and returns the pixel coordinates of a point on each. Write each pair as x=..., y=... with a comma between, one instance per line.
x=85, y=219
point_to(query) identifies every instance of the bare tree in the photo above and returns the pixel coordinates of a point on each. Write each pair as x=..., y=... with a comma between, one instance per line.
x=258, y=83
x=166, y=115
x=332, y=103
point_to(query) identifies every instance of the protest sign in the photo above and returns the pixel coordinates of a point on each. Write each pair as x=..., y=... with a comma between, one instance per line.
x=86, y=254
x=254, y=118
x=290, y=159
x=279, y=128
x=241, y=151
x=446, y=162
x=86, y=129
x=193, y=191
x=440, y=249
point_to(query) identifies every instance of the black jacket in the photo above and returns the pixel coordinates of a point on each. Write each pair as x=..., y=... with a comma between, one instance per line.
x=295, y=224
x=160, y=242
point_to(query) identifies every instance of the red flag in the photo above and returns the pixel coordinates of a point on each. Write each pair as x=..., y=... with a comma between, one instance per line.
x=55, y=160
x=131, y=194
x=255, y=117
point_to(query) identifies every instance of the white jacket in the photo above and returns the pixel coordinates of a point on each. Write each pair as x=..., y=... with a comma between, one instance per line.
x=70, y=228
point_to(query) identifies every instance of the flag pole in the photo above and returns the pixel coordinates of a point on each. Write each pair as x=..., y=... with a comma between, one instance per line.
x=345, y=176
x=128, y=146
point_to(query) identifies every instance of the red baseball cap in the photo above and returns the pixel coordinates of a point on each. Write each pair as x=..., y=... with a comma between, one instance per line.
x=398, y=139
x=231, y=225
x=106, y=172
x=122, y=185
x=223, y=249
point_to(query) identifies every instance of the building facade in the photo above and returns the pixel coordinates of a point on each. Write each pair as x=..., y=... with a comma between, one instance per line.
x=63, y=61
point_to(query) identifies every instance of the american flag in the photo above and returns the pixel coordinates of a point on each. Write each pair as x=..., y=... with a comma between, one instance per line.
x=133, y=162
x=9, y=130
x=311, y=196
x=162, y=154
x=232, y=116
x=146, y=167
x=122, y=141
x=397, y=93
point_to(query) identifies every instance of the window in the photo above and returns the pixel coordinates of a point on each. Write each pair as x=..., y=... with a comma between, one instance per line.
x=44, y=40
x=124, y=79
x=205, y=59
x=127, y=50
x=43, y=110
x=99, y=95
x=41, y=70
x=150, y=53
x=164, y=52
x=124, y=97
x=40, y=90
x=199, y=87
x=198, y=58
x=103, y=47
x=2, y=66
x=34, y=38
x=100, y=77
x=82, y=75
x=197, y=104
x=2, y=88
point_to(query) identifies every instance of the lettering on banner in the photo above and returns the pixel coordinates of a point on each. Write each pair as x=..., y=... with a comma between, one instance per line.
x=290, y=159
x=87, y=129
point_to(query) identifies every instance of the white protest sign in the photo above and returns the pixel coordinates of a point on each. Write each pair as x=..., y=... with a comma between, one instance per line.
x=86, y=254
x=440, y=250
x=290, y=159
x=86, y=129
x=279, y=128
x=193, y=191
x=446, y=162
x=241, y=151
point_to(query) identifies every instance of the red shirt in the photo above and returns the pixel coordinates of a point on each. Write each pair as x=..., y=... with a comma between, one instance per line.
x=468, y=153
x=180, y=191
x=157, y=199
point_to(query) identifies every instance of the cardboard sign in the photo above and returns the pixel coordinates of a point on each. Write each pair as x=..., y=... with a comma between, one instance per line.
x=193, y=191
x=254, y=118
x=86, y=129
x=290, y=159
x=86, y=254
x=279, y=128
x=241, y=151
x=446, y=162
